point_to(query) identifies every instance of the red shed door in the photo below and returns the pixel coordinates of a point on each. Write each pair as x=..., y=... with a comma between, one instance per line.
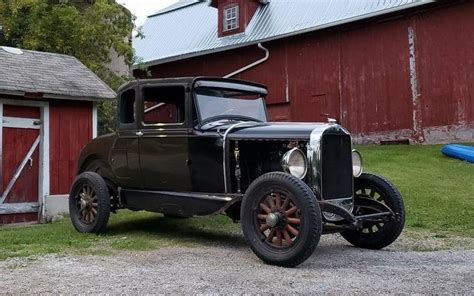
x=19, y=180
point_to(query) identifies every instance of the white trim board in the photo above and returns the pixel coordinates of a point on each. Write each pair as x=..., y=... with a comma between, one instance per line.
x=17, y=122
x=94, y=120
x=1, y=145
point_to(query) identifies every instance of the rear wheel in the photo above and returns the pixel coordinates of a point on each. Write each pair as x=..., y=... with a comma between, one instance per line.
x=377, y=235
x=281, y=219
x=89, y=203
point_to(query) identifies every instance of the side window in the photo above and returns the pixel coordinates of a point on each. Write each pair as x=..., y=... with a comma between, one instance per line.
x=163, y=105
x=127, y=107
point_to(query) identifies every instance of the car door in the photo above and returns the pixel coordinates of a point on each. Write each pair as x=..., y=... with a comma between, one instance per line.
x=125, y=156
x=164, y=132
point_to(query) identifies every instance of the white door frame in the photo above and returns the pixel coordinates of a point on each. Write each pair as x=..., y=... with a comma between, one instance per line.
x=43, y=182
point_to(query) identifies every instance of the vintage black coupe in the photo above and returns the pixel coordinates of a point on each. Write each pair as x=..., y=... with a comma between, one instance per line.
x=198, y=146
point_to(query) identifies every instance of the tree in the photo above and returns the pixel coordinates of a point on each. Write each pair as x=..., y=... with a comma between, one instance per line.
x=87, y=31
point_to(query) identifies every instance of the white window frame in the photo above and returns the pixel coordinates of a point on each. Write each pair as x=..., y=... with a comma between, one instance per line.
x=231, y=18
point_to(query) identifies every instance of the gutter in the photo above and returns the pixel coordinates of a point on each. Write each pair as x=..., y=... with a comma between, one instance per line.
x=46, y=96
x=290, y=34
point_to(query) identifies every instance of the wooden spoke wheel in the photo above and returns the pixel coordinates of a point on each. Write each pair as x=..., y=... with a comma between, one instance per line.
x=377, y=235
x=89, y=203
x=281, y=219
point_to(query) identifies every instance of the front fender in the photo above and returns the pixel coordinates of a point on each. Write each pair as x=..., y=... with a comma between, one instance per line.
x=97, y=149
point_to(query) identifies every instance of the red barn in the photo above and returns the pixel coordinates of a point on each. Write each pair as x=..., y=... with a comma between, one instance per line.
x=47, y=114
x=394, y=70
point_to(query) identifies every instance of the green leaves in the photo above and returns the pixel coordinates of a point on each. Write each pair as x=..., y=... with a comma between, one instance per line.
x=88, y=32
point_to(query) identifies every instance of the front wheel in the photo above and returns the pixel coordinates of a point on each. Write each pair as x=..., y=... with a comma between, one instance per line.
x=89, y=203
x=281, y=219
x=377, y=235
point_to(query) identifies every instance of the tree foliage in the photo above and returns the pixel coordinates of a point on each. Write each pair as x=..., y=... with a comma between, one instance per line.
x=87, y=31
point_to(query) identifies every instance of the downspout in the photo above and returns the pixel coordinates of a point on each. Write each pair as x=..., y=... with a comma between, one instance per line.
x=261, y=61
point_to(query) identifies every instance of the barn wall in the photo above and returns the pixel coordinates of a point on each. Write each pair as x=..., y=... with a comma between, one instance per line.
x=410, y=77
x=70, y=131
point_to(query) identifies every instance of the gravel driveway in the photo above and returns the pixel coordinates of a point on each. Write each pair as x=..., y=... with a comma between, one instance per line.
x=334, y=268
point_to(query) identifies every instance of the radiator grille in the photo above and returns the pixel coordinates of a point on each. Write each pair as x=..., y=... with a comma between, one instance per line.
x=337, y=179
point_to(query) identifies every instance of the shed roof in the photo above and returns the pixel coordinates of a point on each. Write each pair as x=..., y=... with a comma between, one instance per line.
x=52, y=75
x=189, y=27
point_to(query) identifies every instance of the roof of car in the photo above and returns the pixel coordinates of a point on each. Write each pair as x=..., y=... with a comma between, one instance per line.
x=189, y=27
x=187, y=80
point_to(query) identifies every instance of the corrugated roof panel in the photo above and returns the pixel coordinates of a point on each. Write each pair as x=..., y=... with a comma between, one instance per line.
x=189, y=28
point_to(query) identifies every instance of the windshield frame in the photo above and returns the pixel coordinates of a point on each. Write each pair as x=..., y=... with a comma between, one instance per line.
x=202, y=122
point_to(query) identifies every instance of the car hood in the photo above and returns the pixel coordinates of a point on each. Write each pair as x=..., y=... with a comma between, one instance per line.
x=277, y=130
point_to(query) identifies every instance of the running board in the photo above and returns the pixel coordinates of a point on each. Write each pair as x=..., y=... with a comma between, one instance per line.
x=177, y=203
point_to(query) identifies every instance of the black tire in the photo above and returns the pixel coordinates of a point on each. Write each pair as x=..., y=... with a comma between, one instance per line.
x=273, y=245
x=83, y=204
x=385, y=233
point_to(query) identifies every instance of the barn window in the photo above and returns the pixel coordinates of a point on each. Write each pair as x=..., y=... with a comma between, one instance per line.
x=163, y=105
x=127, y=107
x=231, y=18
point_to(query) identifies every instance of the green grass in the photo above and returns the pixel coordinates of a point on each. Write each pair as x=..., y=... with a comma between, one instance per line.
x=438, y=193
x=126, y=231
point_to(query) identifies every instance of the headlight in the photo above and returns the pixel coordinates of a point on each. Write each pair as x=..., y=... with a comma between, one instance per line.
x=294, y=162
x=357, y=168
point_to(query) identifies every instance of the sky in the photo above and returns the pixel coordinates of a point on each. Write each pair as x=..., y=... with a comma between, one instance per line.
x=142, y=8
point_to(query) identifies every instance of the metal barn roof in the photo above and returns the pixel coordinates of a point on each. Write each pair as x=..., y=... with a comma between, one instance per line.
x=53, y=75
x=189, y=27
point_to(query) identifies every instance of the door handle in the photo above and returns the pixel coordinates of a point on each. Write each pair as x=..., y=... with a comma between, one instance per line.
x=139, y=133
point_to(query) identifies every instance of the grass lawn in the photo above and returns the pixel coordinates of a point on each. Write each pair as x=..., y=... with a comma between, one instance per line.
x=438, y=192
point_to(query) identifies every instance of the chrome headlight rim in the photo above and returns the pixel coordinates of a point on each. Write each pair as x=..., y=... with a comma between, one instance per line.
x=357, y=155
x=285, y=162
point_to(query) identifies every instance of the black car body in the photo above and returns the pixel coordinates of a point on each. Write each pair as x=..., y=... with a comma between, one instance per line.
x=194, y=146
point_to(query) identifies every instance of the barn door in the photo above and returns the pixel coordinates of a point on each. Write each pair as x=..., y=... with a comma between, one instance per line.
x=19, y=181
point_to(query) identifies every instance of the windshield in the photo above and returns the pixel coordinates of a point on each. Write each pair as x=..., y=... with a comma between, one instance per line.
x=218, y=104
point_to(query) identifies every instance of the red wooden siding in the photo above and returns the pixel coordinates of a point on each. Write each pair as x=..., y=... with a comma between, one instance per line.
x=18, y=218
x=15, y=145
x=363, y=76
x=446, y=66
x=22, y=112
x=70, y=131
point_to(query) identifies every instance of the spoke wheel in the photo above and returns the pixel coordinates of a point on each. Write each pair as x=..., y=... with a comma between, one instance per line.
x=281, y=219
x=278, y=219
x=377, y=235
x=87, y=204
x=370, y=191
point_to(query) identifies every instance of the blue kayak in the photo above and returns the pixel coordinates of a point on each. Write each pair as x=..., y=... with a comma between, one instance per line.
x=460, y=152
